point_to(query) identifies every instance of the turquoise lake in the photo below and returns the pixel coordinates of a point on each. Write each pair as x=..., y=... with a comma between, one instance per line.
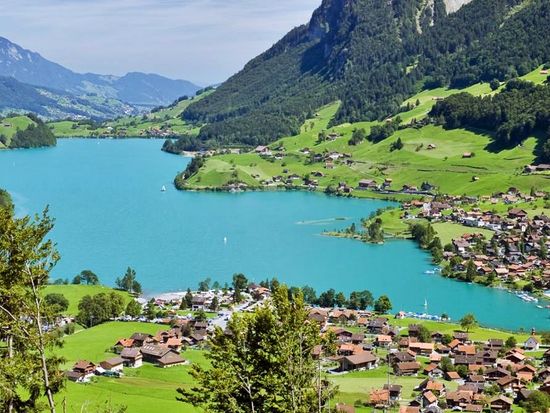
x=111, y=214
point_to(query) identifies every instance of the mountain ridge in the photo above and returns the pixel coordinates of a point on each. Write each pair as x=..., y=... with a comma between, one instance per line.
x=135, y=88
x=372, y=55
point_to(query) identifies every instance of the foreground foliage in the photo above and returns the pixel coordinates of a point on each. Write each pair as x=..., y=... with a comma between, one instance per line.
x=262, y=363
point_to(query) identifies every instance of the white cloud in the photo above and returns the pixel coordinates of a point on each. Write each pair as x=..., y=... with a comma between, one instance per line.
x=202, y=40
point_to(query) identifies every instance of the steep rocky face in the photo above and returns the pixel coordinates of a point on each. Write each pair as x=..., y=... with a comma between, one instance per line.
x=453, y=5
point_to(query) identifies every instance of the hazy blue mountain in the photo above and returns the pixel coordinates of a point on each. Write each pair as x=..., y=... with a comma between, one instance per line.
x=135, y=88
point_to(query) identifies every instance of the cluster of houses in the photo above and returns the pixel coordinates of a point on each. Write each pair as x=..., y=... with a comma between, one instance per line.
x=453, y=371
x=516, y=251
x=162, y=349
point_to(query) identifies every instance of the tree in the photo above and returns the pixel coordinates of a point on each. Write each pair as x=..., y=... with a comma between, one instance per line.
x=28, y=370
x=77, y=280
x=240, y=284
x=424, y=335
x=360, y=300
x=471, y=271
x=94, y=310
x=57, y=302
x=511, y=342
x=310, y=296
x=327, y=298
x=468, y=322
x=340, y=300
x=128, y=282
x=88, y=277
x=494, y=84
x=537, y=401
x=200, y=316
x=382, y=305
x=215, y=304
x=133, y=309
x=265, y=365
x=204, y=285
x=188, y=299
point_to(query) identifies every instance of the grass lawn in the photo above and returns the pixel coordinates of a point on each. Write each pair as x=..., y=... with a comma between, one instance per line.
x=142, y=390
x=74, y=294
x=447, y=231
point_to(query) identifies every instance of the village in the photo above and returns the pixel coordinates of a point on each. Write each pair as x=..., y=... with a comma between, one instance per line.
x=515, y=254
x=451, y=369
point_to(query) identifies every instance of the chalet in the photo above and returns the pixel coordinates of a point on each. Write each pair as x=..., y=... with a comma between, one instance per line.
x=383, y=340
x=531, y=344
x=461, y=336
x=433, y=370
x=516, y=213
x=394, y=391
x=414, y=330
x=113, y=364
x=437, y=337
x=460, y=398
x=526, y=373
x=367, y=184
x=400, y=357
x=162, y=356
x=132, y=357
x=428, y=399
x=342, y=334
x=407, y=368
x=377, y=325
x=140, y=339
x=495, y=344
x=124, y=343
x=452, y=376
x=422, y=348
x=379, y=397
x=198, y=303
x=85, y=368
x=74, y=376
x=358, y=338
x=361, y=361
x=501, y=403
x=496, y=373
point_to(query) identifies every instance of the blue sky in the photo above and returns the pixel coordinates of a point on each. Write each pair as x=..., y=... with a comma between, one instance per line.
x=205, y=41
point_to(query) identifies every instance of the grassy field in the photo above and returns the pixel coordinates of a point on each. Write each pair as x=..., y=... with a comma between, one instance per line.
x=142, y=390
x=149, y=388
x=10, y=126
x=447, y=231
x=74, y=294
x=443, y=166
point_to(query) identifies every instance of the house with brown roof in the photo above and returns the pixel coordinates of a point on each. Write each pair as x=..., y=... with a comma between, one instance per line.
x=361, y=361
x=394, y=391
x=85, y=368
x=501, y=403
x=379, y=397
x=113, y=364
x=132, y=357
x=424, y=349
x=428, y=399
x=383, y=340
x=460, y=398
x=410, y=368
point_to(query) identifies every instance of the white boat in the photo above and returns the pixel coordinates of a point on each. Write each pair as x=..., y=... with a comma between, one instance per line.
x=225, y=240
x=425, y=303
x=163, y=189
x=429, y=272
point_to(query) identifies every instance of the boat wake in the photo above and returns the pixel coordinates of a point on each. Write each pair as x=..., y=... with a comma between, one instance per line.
x=322, y=221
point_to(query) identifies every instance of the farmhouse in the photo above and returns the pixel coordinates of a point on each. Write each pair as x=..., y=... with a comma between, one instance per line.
x=132, y=357
x=362, y=361
x=160, y=355
x=113, y=364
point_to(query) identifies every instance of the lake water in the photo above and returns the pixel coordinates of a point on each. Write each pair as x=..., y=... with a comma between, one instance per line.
x=111, y=214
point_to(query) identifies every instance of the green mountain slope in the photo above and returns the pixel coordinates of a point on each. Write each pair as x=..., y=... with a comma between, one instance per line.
x=372, y=55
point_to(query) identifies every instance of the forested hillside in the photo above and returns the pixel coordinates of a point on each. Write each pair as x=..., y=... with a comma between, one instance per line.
x=519, y=111
x=25, y=132
x=372, y=55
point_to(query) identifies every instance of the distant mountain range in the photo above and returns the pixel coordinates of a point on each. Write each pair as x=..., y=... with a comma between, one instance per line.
x=371, y=55
x=30, y=82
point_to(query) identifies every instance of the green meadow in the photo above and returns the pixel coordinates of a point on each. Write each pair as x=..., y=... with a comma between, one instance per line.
x=142, y=390
x=74, y=294
x=9, y=126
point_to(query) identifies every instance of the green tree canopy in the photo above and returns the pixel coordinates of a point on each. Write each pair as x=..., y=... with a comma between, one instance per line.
x=383, y=305
x=264, y=365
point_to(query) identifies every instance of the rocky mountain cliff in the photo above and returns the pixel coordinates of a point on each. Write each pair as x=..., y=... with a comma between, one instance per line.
x=371, y=55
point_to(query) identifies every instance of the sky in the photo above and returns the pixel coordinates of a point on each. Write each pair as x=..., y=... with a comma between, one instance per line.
x=204, y=41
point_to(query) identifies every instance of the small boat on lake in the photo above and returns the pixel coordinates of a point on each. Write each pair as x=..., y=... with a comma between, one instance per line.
x=163, y=189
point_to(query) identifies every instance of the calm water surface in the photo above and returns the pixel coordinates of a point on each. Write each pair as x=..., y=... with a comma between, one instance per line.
x=111, y=214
